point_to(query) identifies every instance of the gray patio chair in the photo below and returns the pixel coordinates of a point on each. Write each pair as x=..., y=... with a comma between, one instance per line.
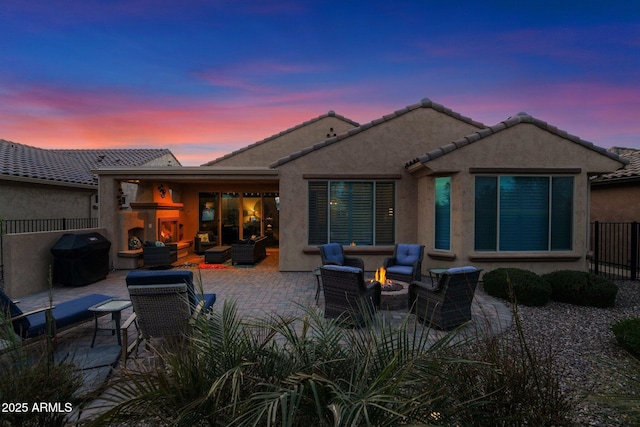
x=162, y=312
x=445, y=304
x=346, y=295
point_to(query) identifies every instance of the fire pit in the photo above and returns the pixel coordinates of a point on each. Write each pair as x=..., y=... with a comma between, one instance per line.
x=395, y=294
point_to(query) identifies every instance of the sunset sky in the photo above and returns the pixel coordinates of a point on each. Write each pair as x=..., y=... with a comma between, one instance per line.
x=204, y=78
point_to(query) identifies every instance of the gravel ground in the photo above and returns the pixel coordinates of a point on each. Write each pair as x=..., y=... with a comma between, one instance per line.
x=590, y=363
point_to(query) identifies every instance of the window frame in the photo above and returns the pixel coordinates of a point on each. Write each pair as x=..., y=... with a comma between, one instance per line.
x=569, y=214
x=438, y=228
x=376, y=229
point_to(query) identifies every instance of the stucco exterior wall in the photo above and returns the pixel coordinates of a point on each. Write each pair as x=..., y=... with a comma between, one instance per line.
x=378, y=152
x=615, y=202
x=27, y=257
x=524, y=149
x=270, y=150
x=20, y=200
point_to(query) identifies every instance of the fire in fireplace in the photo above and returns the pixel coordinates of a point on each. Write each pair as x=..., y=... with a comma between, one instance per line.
x=168, y=230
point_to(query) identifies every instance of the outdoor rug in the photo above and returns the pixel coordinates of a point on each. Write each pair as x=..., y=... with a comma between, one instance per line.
x=203, y=266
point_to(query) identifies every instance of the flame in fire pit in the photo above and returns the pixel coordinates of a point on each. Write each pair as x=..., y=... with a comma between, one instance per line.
x=388, y=285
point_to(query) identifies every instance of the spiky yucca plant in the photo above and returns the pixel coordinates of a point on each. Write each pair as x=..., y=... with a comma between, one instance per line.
x=287, y=371
x=307, y=370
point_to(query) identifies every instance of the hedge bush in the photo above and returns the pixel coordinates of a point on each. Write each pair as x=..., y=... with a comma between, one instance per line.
x=582, y=288
x=627, y=333
x=528, y=288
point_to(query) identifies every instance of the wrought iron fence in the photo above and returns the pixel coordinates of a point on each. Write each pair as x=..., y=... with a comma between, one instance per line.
x=614, y=249
x=10, y=226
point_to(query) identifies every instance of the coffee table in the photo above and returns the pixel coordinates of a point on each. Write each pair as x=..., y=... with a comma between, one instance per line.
x=217, y=254
x=113, y=306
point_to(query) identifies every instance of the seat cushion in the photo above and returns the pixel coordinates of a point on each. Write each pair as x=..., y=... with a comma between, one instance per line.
x=66, y=313
x=9, y=307
x=465, y=269
x=333, y=253
x=158, y=277
x=343, y=268
x=400, y=269
x=209, y=300
x=407, y=254
x=163, y=277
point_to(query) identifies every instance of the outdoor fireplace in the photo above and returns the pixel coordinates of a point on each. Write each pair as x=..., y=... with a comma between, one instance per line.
x=168, y=230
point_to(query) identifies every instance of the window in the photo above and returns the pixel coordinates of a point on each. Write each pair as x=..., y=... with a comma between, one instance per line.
x=523, y=213
x=343, y=212
x=443, y=213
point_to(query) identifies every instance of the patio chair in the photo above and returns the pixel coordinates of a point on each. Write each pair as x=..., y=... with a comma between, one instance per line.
x=63, y=316
x=162, y=312
x=347, y=296
x=333, y=254
x=406, y=263
x=167, y=277
x=445, y=304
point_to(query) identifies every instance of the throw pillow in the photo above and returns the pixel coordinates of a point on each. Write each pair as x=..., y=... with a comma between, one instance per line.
x=134, y=243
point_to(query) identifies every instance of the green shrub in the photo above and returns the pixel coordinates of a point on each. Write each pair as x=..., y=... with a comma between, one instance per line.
x=525, y=286
x=627, y=333
x=582, y=288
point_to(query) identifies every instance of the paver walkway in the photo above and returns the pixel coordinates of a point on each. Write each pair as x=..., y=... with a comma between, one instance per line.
x=259, y=290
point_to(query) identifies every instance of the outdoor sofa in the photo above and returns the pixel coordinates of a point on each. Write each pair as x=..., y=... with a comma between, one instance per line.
x=159, y=256
x=249, y=251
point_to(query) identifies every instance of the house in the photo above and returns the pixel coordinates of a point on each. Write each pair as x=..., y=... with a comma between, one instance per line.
x=615, y=196
x=514, y=194
x=38, y=185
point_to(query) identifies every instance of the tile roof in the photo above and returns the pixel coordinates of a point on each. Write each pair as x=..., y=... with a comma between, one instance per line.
x=67, y=166
x=331, y=113
x=510, y=122
x=630, y=171
x=425, y=103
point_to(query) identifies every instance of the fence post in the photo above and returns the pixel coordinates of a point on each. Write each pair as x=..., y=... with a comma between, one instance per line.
x=596, y=246
x=634, y=250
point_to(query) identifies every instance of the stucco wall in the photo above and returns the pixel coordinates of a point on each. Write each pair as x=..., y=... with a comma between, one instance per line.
x=27, y=257
x=266, y=152
x=380, y=150
x=34, y=201
x=615, y=203
x=525, y=147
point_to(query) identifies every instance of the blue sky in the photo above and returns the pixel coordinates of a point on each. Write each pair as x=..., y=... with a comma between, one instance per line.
x=204, y=78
